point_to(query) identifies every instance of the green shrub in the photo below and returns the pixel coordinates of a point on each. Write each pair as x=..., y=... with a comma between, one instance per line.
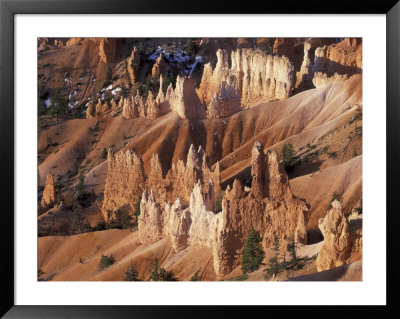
x=335, y=196
x=141, y=49
x=107, y=81
x=104, y=153
x=160, y=274
x=253, y=253
x=106, y=261
x=131, y=274
x=288, y=156
x=191, y=46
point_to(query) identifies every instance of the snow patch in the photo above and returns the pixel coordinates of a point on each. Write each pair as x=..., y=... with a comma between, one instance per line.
x=47, y=102
x=156, y=54
x=198, y=59
x=115, y=91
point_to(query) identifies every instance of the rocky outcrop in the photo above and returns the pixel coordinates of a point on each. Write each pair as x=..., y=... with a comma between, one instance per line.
x=126, y=180
x=184, y=99
x=125, y=183
x=225, y=102
x=107, y=49
x=270, y=208
x=322, y=79
x=133, y=65
x=176, y=225
x=337, y=245
x=49, y=193
x=260, y=77
x=186, y=175
x=274, y=210
x=103, y=108
x=150, y=222
x=184, y=225
x=159, y=67
x=325, y=62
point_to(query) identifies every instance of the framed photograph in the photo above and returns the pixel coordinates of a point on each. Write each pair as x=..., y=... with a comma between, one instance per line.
x=162, y=159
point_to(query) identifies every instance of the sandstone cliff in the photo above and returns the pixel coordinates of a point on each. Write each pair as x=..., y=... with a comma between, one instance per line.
x=260, y=77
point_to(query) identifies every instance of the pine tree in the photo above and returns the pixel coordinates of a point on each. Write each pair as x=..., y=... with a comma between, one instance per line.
x=131, y=274
x=291, y=248
x=253, y=253
x=288, y=156
x=160, y=274
x=274, y=261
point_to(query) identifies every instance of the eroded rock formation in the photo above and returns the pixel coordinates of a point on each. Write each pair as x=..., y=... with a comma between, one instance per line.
x=103, y=108
x=133, y=65
x=159, y=67
x=260, y=77
x=337, y=245
x=183, y=100
x=107, y=49
x=49, y=193
x=126, y=180
x=225, y=102
x=272, y=210
x=125, y=183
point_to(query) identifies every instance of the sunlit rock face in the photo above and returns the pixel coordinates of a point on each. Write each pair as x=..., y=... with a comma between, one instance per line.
x=259, y=77
x=271, y=210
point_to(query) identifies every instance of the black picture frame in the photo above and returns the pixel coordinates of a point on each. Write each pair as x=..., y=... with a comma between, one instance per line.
x=9, y=8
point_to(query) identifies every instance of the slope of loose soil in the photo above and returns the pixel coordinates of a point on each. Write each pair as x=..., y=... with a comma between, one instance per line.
x=59, y=257
x=317, y=188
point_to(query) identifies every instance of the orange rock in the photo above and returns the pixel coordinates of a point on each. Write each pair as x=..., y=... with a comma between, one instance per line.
x=49, y=193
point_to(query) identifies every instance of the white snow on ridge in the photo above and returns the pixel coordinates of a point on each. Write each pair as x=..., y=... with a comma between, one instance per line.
x=115, y=91
x=156, y=54
x=198, y=59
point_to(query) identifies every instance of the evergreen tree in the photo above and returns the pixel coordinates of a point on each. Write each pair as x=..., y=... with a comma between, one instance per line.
x=291, y=248
x=160, y=274
x=131, y=274
x=253, y=253
x=288, y=156
x=274, y=261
